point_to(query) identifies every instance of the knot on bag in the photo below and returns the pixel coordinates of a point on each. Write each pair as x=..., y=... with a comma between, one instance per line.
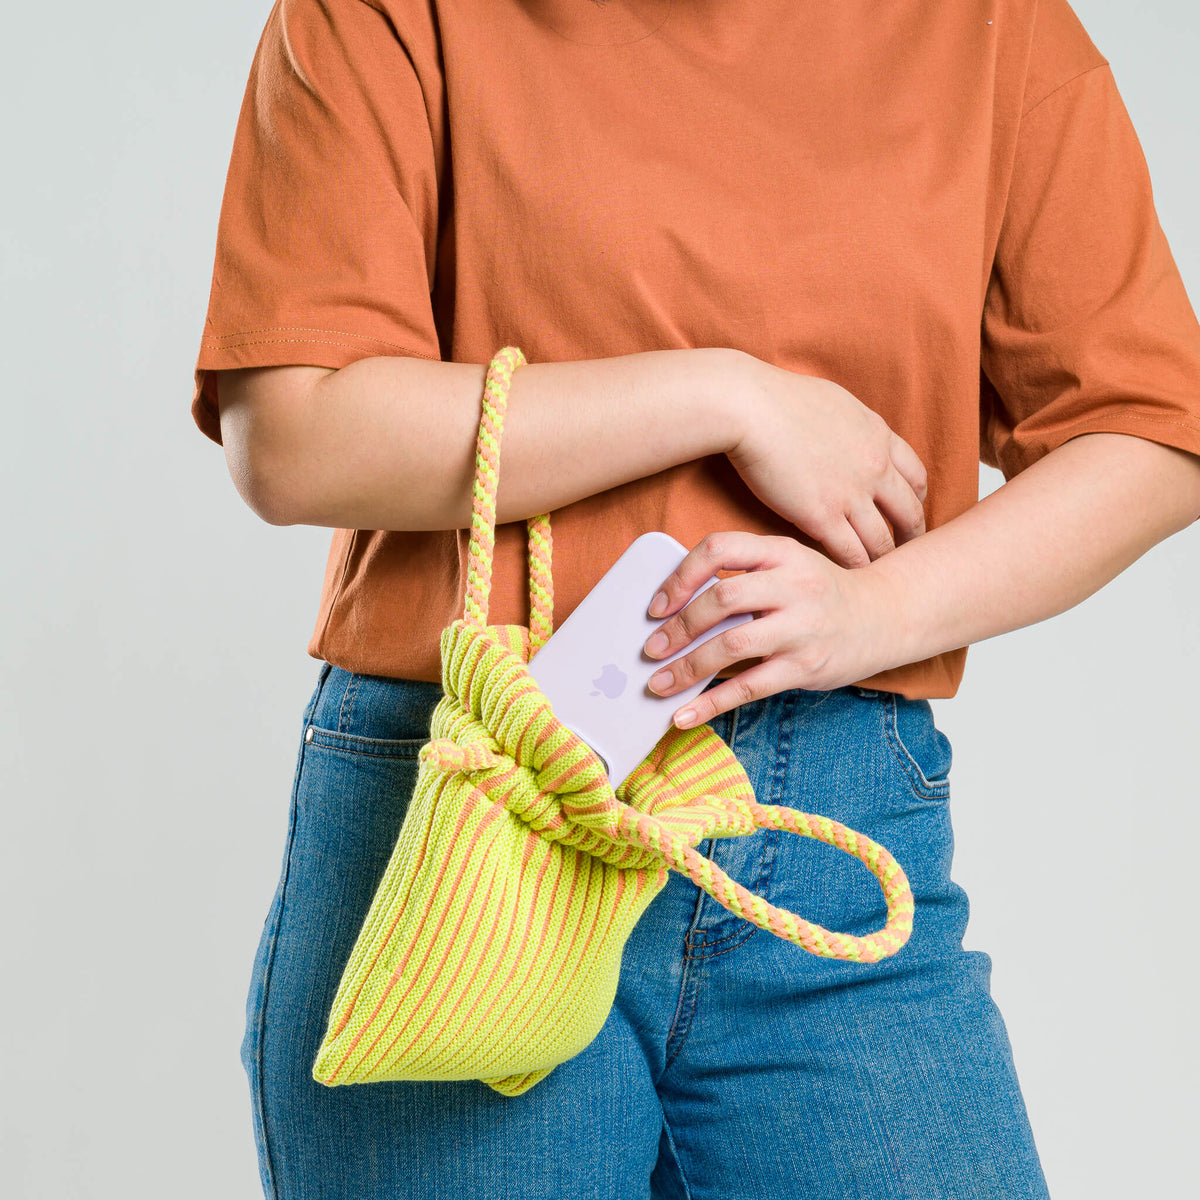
x=499, y=727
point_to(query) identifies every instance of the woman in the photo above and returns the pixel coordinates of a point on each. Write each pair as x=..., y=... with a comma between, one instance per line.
x=783, y=276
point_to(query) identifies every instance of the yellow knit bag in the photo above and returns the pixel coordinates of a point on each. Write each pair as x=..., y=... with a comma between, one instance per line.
x=492, y=946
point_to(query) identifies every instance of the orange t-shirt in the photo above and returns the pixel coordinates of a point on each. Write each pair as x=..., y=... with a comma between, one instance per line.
x=942, y=207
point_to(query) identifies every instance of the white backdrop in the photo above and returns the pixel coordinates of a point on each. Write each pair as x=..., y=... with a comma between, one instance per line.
x=153, y=672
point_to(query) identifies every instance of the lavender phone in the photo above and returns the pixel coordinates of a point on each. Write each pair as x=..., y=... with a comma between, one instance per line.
x=593, y=670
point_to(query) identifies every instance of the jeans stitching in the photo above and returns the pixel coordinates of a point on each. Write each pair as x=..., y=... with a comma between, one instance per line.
x=704, y=943
x=783, y=757
x=269, y=962
x=681, y=1022
x=694, y=939
x=816, y=703
x=922, y=786
x=769, y=854
x=346, y=708
x=681, y=1019
x=765, y=862
x=743, y=938
x=356, y=743
x=687, y=1190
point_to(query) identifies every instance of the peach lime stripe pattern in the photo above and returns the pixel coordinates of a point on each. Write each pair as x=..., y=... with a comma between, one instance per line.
x=487, y=958
x=398, y=972
x=443, y=1035
x=487, y=477
x=490, y=993
x=541, y=590
x=492, y=947
x=577, y=962
x=440, y=950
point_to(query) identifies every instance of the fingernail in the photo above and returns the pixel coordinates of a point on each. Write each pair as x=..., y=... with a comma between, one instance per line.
x=684, y=717
x=660, y=680
x=658, y=605
x=656, y=643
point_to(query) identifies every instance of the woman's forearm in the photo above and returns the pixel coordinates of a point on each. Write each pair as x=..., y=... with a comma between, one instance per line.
x=1041, y=543
x=389, y=443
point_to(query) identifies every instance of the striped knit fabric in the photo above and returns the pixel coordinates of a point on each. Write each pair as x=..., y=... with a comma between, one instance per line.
x=492, y=947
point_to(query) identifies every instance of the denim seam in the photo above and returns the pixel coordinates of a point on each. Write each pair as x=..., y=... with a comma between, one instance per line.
x=685, y=1010
x=357, y=743
x=694, y=939
x=681, y=1020
x=733, y=726
x=269, y=964
x=766, y=859
x=687, y=1190
x=694, y=935
x=743, y=938
x=346, y=708
x=921, y=785
x=703, y=942
x=323, y=673
x=783, y=755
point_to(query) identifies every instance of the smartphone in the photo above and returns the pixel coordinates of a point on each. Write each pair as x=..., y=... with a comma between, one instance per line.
x=593, y=670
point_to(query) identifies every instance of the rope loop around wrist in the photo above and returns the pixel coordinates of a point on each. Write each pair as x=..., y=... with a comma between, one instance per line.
x=481, y=547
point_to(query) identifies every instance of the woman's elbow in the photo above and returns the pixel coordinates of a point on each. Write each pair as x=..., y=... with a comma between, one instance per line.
x=259, y=410
x=262, y=482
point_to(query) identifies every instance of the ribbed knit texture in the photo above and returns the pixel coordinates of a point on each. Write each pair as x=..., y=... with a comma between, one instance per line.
x=492, y=947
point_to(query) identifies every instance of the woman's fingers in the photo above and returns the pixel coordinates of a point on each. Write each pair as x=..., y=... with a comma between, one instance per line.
x=872, y=531
x=751, y=683
x=906, y=461
x=752, y=639
x=752, y=591
x=897, y=501
x=861, y=535
x=726, y=550
x=843, y=542
x=853, y=539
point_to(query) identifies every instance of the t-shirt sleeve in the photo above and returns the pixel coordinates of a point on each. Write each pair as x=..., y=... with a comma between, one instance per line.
x=1086, y=325
x=328, y=224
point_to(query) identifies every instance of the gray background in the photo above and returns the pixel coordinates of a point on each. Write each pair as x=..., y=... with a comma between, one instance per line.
x=153, y=671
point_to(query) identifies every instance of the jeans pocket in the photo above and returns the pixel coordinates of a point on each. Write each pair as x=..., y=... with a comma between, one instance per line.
x=373, y=716
x=920, y=749
x=353, y=743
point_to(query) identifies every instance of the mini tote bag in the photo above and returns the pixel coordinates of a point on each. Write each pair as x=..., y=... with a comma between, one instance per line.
x=492, y=946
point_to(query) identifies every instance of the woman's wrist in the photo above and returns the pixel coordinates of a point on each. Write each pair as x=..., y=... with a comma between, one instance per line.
x=735, y=397
x=1037, y=546
x=717, y=396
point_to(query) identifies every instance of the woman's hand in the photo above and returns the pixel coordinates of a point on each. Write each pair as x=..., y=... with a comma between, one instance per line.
x=821, y=626
x=819, y=457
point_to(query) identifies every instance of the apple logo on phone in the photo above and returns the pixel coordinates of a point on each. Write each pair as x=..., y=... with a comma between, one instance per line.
x=611, y=681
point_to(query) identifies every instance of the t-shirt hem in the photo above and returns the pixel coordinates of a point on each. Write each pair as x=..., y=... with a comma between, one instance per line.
x=280, y=345
x=936, y=678
x=1178, y=432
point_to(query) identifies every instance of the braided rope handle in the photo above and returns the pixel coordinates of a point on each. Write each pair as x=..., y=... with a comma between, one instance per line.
x=482, y=545
x=681, y=856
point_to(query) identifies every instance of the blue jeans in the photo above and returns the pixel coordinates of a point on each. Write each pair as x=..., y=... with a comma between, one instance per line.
x=733, y=1064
